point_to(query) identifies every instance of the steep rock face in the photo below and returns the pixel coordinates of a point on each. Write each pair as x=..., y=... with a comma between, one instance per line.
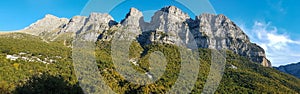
x=293, y=69
x=219, y=32
x=95, y=25
x=87, y=28
x=46, y=25
x=168, y=19
x=97, y=22
x=134, y=19
x=169, y=25
x=132, y=25
x=75, y=24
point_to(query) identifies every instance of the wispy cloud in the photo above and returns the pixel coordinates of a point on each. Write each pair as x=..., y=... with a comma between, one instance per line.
x=277, y=5
x=280, y=48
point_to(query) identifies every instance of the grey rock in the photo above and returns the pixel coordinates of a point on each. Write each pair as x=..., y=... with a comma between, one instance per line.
x=133, y=19
x=94, y=26
x=169, y=25
x=75, y=24
x=46, y=25
x=219, y=32
x=132, y=25
x=97, y=22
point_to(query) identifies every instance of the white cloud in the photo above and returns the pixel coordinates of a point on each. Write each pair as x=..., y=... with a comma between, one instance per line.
x=280, y=48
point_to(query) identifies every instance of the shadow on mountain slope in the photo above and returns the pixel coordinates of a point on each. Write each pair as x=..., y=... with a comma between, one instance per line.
x=48, y=84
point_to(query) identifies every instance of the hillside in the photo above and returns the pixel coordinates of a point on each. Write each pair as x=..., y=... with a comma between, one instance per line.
x=36, y=77
x=43, y=58
x=169, y=25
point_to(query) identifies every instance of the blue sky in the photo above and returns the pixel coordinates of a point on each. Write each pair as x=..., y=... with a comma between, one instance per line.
x=273, y=24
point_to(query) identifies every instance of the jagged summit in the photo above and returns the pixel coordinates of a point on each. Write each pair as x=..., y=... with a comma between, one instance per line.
x=50, y=16
x=47, y=24
x=133, y=18
x=100, y=17
x=170, y=9
x=168, y=25
x=134, y=12
x=174, y=11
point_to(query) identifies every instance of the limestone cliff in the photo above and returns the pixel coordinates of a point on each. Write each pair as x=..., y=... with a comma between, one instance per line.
x=168, y=25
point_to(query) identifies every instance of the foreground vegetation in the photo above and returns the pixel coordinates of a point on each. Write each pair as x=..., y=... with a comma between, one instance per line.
x=24, y=77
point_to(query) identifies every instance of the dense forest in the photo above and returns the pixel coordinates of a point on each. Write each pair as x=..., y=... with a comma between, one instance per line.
x=37, y=75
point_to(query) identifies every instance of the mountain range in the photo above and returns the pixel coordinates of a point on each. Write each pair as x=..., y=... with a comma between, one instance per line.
x=293, y=69
x=38, y=59
x=209, y=30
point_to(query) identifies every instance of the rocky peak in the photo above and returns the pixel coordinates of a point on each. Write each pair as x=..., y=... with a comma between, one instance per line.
x=78, y=19
x=219, y=32
x=170, y=14
x=100, y=18
x=174, y=11
x=168, y=25
x=133, y=18
x=95, y=21
x=49, y=16
x=219, y=26
x=49, y=23
x=95, y=25
x=134, y=22
x=134, y=13
x=169, y=19
x=75, y=24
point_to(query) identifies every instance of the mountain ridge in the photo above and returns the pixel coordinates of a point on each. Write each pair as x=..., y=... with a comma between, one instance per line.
x=292, y=69
x=240, y=76
x=33, y=72
x=169, y=25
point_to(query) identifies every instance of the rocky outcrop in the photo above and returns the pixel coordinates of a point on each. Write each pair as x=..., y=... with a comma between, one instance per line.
x=46, y=25
x=293, y=69
x=95, y=25
x=219, y=32
x=169, y=25
x=132, y=25
x=74, y=25
x=134, y=19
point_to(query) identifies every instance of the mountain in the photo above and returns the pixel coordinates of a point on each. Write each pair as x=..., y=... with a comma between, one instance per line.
x=293, y=69
x=39, y=59
x=168, y=25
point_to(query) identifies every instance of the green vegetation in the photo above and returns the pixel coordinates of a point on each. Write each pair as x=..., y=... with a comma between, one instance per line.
x=18, y=42
x=249, y=77
x=22, y=76
x=17, y=76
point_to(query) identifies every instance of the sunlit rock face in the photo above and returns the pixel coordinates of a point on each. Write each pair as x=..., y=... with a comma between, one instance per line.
x=168, y=25
x=48, y=24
